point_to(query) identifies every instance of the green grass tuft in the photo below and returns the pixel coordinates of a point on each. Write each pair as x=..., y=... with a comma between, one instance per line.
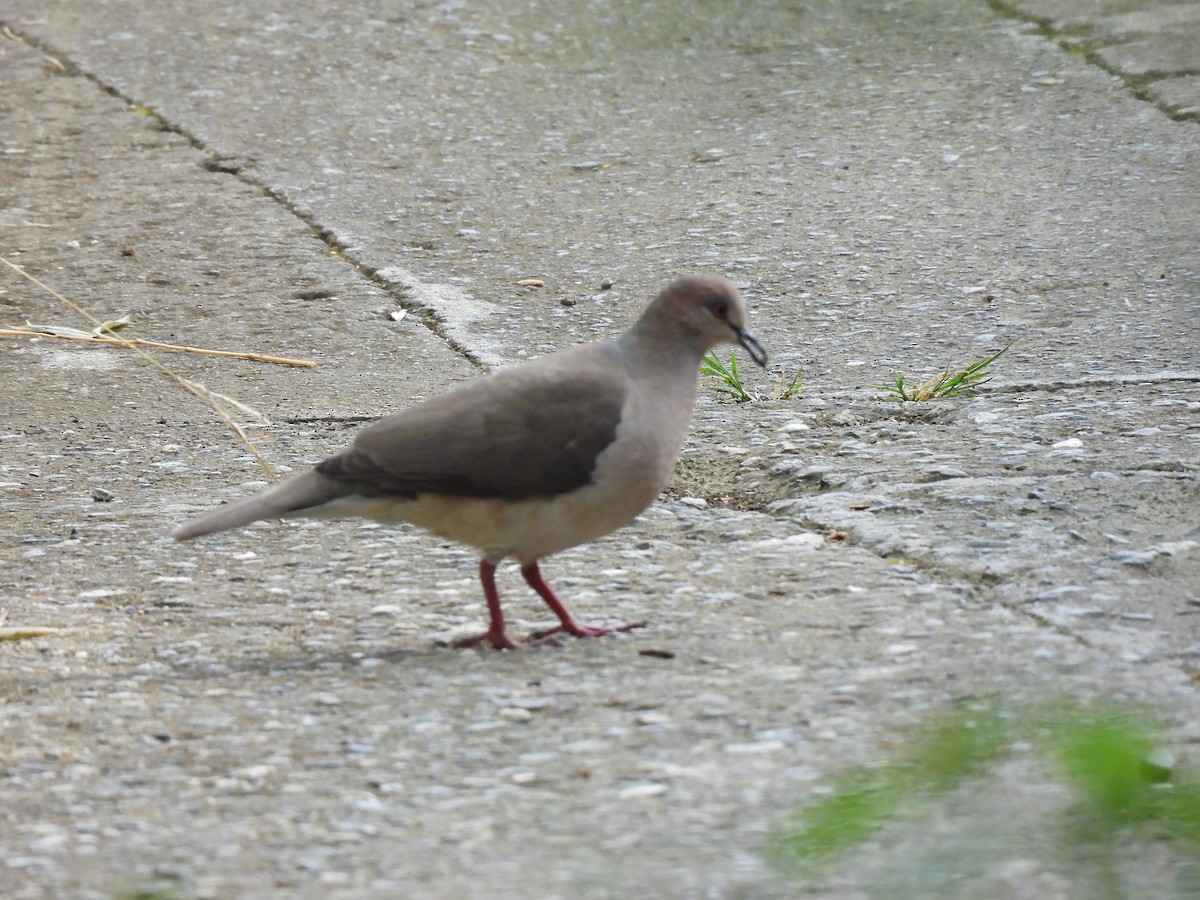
x=731, y=382
x=962, y=382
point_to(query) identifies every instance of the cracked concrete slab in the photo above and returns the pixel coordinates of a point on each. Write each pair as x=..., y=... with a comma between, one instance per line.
x=275, y=712
x=1152, y=46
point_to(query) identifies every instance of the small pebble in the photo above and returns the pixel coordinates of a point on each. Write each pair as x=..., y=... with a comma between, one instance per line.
x=642, y=790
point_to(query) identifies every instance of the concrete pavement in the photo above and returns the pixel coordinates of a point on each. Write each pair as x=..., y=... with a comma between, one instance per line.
x=1152, y=47
x=273, y=713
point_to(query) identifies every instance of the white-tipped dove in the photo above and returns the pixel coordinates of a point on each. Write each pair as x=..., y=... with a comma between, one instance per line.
x=530, y=460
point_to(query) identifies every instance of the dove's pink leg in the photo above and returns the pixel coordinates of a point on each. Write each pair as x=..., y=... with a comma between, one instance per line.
x=495, y=635
x=571, y=625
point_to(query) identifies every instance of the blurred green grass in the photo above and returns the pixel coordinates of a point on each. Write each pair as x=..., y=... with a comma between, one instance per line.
x=1123, y=788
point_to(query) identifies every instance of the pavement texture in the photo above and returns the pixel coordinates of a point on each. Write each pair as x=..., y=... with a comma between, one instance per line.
x=276, y=712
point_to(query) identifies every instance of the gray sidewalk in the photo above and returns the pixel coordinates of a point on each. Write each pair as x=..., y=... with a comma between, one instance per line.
x=275, y=712
x=1153, y=46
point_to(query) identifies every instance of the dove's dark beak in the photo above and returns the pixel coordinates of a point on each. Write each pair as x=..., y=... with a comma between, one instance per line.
x=752, y=346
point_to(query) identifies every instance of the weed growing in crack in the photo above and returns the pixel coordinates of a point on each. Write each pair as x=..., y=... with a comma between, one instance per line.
x=731, y=383
x=785, y=388
x=950, y=383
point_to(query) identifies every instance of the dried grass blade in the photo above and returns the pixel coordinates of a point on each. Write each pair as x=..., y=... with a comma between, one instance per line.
x=192, y=387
